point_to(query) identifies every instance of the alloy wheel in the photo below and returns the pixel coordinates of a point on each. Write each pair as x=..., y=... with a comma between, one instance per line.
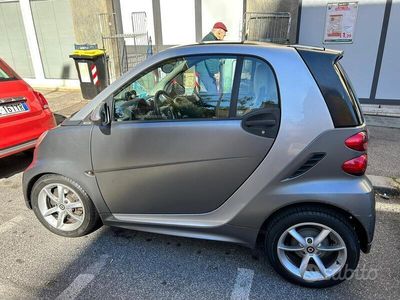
x=312, y=251
x=61, y=207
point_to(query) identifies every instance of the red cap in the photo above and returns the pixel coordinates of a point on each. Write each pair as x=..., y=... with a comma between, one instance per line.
x=220, y=25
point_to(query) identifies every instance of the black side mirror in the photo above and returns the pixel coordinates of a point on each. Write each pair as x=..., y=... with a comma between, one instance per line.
x=167, y=68
x=101, y=115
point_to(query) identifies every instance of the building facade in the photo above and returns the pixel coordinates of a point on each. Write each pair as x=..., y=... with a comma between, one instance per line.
x=371, y=60
x=37, y=36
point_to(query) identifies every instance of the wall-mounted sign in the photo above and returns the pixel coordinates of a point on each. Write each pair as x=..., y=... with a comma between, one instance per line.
x=340, y=22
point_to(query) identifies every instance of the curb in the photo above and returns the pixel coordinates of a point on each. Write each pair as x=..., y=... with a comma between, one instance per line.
x=381, y=121
x=385, y=185
x=381, y=110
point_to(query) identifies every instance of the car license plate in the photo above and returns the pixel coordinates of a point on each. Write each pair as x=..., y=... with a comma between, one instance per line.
x=13, y=108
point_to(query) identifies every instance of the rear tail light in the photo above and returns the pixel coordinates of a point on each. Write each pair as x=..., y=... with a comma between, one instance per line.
x=356, y=166
x=42, y=100
x=358, y=141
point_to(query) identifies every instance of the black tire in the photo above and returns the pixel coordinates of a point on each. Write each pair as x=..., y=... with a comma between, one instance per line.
x=327, y=217
x=29, y=152
x=91, y=221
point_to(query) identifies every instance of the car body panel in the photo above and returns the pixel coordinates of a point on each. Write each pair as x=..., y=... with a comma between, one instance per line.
x=193, y=166
x=306, y=127
x=73, y=161
x=352, y=194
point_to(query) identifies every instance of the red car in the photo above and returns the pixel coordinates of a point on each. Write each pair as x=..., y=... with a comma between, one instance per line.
x=24, y=113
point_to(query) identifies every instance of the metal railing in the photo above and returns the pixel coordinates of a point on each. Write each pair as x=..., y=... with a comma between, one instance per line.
x=141, y=47
x=113, y=45
x=267, y=27
x=124, y=51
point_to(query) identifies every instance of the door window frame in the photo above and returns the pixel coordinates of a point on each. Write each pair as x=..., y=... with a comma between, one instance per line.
x=234, y=94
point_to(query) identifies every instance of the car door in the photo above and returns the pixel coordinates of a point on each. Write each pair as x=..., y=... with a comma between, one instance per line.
x=178, y=146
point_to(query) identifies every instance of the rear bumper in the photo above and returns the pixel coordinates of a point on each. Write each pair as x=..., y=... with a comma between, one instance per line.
x=21, y=134
x=18, y=148
x=368, y=223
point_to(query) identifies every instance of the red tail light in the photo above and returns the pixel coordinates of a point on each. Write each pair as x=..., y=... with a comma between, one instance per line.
x=358, y=141
x=356, y=166
x=42, y=100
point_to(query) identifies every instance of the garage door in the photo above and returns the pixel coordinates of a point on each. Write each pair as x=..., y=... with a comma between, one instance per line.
x=13, y=44
x=55, y=35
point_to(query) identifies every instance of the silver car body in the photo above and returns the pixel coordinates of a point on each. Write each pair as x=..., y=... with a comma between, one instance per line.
x=101, y=163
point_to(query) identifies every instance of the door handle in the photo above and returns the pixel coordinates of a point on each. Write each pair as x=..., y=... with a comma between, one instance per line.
x=260, y=123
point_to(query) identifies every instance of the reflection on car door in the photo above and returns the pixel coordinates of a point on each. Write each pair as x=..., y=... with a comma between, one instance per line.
x=181, y=166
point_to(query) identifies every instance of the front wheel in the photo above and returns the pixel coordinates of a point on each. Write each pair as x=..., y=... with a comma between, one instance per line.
x=312, y=247
x=63, y=207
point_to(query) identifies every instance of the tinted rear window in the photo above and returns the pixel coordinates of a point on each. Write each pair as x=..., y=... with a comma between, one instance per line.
x=334, y=86
x=350, y=91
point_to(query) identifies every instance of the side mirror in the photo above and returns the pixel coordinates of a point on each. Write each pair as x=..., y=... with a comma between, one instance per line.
x=167, y=68
x=101, y=115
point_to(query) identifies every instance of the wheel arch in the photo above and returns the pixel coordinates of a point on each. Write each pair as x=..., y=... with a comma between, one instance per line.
x=356, y=224
x=30, y=185
x=93, y=192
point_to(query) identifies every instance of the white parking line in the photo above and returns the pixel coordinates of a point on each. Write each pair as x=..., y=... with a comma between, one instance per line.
x=242, y=288
x=10, y=224
x=80, y=282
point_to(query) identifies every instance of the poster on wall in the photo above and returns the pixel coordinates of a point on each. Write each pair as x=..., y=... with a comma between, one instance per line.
x=340, y=22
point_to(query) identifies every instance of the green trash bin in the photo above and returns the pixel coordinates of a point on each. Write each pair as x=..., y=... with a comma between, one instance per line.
x=91, y=67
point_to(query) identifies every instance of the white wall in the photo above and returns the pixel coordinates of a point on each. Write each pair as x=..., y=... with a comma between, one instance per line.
x=389, y=80
x=178, y=18
x=178, y=22
x=129, y=6
x=230, y=12
x=360, y=56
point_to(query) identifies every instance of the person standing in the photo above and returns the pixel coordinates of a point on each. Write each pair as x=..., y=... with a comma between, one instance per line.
x=208, y=70
x=217, y=33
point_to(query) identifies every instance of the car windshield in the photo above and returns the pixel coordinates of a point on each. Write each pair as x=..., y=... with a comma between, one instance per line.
x=6, y=73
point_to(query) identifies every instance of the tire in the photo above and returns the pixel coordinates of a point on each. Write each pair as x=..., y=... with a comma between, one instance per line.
x=29, y=152
x=310, y=222
x=77, y=212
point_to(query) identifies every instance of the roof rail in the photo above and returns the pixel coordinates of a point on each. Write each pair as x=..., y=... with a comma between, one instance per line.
x=308, y=47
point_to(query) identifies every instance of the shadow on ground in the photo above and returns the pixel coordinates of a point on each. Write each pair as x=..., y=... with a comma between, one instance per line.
x=14, y=164
x=146, y=265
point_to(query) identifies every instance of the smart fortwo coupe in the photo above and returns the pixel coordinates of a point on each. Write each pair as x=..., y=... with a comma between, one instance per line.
x=270, y=151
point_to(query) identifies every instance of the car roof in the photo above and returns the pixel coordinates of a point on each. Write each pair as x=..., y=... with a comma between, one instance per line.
x=231, y=43
x=235, y=45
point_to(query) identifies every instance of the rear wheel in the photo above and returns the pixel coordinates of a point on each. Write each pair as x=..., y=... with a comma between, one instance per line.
x=312, y=247
x=63, y=207
x=29, y=152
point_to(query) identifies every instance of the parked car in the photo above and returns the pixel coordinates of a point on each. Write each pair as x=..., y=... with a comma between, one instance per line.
x=24, y=113
x=273, y=157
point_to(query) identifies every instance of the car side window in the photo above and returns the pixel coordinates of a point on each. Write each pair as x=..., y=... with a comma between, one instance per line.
x=258, y=88
x=193, y=87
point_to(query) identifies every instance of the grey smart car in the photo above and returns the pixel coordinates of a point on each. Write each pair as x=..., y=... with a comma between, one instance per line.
x=268, y=151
